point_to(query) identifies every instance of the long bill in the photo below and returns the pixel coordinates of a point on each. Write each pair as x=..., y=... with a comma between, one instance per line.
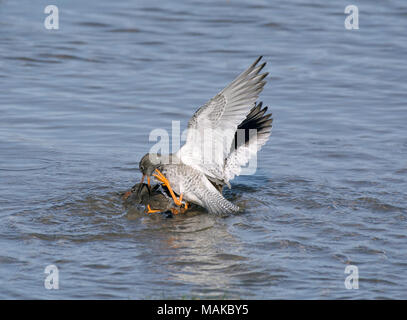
x=141, y=184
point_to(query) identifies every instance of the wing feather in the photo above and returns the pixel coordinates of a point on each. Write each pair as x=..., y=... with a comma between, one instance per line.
x=212, y=128
x=247, y=146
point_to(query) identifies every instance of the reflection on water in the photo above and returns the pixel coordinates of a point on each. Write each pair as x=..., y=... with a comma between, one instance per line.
x=78, y=104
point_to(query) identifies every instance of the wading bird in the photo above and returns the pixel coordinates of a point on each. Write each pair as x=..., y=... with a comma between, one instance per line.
x=215, y=152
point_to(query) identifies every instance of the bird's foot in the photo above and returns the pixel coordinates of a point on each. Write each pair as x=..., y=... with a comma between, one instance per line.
x=149, y=210
x=180, y=210
x=178, y=201
x=160, y=177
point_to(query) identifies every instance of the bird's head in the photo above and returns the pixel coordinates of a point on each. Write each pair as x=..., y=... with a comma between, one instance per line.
x=147, y=165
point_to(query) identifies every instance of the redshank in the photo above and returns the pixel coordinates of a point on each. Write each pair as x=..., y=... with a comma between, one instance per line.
x=213, y=153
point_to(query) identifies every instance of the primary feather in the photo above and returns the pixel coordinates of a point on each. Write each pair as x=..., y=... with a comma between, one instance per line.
x=211, y=130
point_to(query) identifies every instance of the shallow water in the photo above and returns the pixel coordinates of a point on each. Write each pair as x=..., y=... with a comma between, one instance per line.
x=77, y=106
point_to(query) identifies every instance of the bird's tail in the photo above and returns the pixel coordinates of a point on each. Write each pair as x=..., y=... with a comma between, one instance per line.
x=217, y=204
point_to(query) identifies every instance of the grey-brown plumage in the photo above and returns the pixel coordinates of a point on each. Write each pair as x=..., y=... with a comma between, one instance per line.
x=196, y=188
x=199, y=181
x=141, y=194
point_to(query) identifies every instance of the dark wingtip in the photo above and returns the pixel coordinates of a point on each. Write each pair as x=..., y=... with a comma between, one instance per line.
x=256, y=62
x=261, y=67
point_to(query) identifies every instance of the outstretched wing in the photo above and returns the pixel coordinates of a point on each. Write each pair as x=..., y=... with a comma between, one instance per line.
x=212, y=128
x=251, y=135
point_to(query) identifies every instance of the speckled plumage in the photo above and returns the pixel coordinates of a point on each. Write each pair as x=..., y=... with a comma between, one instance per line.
x=196, y=188
x=199, y=181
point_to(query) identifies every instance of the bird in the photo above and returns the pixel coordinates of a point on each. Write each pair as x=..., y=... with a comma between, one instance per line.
x=156, y=197
x=215, y=151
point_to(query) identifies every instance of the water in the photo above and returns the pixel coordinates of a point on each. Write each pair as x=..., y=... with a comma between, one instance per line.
x=77, y=106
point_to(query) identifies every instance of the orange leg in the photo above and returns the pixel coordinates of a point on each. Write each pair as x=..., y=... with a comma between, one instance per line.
x=149, y=210
x=142, y=179
x=160, y=177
